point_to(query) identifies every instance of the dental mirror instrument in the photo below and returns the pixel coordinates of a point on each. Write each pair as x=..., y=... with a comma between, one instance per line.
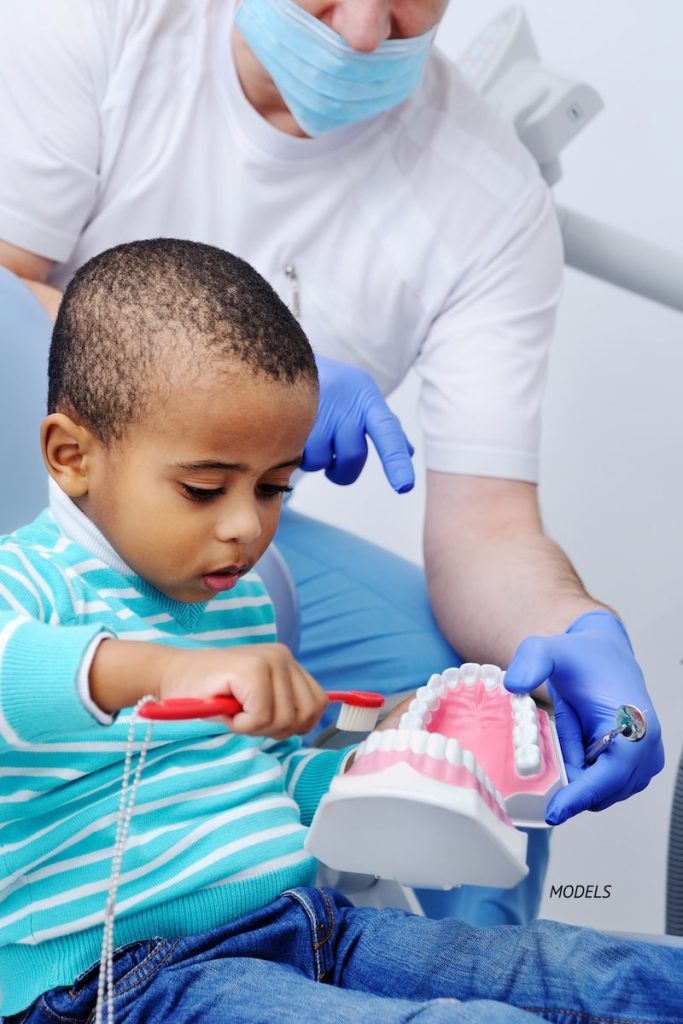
x=631, y=725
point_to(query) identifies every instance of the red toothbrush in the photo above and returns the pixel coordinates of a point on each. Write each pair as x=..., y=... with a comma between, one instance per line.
x=360, y=708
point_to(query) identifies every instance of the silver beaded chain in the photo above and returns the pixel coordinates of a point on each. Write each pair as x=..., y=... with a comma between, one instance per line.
x=105, y=982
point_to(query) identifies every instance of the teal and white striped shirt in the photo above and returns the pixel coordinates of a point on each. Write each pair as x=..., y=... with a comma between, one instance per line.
x=219, y=821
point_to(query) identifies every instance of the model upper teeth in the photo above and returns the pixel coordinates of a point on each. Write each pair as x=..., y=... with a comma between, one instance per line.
x=491, y=676
x=470, y=673
x=451, y=677
x=525, y=731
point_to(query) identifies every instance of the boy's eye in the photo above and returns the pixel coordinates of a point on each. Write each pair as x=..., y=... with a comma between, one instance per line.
x=270, y=491
x=202, y=493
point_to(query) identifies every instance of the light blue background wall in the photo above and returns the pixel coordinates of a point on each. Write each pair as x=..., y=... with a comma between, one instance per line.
x=613, y=439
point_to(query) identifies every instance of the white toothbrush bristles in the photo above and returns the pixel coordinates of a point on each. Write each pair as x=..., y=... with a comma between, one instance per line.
x=356, y=719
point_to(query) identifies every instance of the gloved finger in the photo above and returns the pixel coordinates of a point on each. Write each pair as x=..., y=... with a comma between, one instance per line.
x=644, y=763
x=531, y=666
x=569, y=731
x=597, y=786
x=318, y=453
x=393, y=447
x=350, y=453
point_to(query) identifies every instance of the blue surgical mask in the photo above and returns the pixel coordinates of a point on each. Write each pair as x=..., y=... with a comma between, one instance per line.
x=325, y=82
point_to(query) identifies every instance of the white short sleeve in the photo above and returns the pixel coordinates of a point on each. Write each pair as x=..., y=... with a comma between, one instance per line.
x=483, y=364
x=49, y=124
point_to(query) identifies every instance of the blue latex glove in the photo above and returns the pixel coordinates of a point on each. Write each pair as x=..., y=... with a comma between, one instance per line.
x=351, y=407
x=591, y=671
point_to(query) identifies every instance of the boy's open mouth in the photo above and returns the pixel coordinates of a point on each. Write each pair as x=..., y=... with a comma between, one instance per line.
x=224, y=579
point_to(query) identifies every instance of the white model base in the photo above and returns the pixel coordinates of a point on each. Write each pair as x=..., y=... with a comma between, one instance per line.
x=400, y=825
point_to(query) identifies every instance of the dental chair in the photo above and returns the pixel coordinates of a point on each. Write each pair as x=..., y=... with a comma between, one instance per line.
x=25, y=338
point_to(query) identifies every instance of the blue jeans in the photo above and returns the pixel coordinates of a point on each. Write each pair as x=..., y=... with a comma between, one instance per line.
x=367, y=623
x=312, y=956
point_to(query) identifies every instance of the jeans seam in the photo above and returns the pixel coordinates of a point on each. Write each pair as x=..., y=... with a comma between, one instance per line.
x=149, y=974
x=44, y=1008
x=315, y=926
x=330, y=921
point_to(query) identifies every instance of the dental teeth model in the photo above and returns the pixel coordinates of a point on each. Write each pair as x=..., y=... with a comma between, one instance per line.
x=435, y=802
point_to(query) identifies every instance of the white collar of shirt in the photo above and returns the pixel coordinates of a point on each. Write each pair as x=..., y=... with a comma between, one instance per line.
x=76, y=526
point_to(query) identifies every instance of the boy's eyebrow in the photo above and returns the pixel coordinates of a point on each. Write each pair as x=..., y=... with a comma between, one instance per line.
x=239, y=467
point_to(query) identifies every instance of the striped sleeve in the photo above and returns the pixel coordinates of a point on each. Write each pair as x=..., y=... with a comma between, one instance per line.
x=38, y=669
x=308, y=772
x=39, y=659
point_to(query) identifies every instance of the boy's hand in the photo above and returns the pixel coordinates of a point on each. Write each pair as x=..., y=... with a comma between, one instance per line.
x=279, y=697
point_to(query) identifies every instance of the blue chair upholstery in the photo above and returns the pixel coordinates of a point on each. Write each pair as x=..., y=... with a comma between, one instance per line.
x=24, y=342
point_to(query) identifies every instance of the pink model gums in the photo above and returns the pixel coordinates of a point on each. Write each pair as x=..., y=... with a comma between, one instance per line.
x=435, y=801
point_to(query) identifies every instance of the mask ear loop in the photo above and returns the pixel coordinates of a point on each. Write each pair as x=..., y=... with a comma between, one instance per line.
x=105, y=981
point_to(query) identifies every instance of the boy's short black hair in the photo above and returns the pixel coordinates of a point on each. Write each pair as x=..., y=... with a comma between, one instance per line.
x=136, y=315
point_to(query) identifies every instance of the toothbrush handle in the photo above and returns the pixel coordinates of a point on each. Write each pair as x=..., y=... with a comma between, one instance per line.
x=216, y=707
x=180, y=708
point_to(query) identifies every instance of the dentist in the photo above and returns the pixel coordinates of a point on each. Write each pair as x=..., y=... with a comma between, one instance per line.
x=333, y=146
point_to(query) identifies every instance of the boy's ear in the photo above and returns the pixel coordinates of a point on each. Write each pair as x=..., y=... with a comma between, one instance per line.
x=67, y=448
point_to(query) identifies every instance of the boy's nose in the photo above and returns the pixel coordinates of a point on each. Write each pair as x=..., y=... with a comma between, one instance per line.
x=240, y=523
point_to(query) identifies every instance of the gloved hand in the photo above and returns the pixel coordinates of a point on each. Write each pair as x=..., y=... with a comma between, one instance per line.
x=351, y=406
x=591, y=671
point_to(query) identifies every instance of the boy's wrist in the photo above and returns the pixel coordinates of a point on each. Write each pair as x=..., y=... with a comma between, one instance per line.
x=123, y=671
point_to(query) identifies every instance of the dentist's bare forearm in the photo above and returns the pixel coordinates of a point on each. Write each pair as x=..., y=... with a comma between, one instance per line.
x=49, y=297
x=494, y=578
x=33, y=270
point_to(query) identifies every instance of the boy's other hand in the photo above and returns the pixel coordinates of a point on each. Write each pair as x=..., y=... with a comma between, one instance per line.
x=279, y=697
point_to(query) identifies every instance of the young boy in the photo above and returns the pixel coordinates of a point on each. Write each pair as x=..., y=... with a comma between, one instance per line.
x=181, y=394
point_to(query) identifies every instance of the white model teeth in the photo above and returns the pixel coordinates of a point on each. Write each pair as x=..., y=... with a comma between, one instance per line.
x=436, y=745
x=522, y=702
x=451, y=677
x=528, y=759
x=525, y=735
x=401, y=739
x=386, y=741
x=410, y=720
x=491, y=676
x=454, y=752
x=437, y=685
x=428, y=697
x=469, y=673
x=372, y=742
x=419, y=740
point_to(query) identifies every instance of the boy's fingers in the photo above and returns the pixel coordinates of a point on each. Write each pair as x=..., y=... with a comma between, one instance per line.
x=311, y=700
x=254, y=690
x=283, y=720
